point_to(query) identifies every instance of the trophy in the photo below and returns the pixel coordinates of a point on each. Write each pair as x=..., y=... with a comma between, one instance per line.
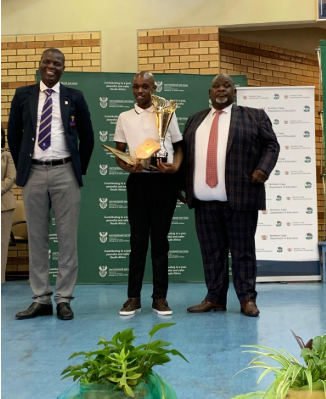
x=164, y=110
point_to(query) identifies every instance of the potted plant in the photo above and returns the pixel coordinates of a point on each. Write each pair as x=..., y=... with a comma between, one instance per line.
x=292, y=379
x=119, y=369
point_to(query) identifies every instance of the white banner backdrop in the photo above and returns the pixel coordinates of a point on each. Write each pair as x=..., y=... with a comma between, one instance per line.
x=287, y=232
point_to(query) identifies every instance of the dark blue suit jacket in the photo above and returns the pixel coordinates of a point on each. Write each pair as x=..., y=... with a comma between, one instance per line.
x=22, y=129
x=252, y=144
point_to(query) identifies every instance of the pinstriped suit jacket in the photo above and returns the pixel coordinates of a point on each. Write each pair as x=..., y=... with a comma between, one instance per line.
x=252, y=144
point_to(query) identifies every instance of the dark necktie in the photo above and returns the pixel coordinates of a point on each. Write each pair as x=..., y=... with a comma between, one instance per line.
x=44, y=136
x=211, y=162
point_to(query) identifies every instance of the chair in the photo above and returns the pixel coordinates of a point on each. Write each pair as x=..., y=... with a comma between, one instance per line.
x=18, y=233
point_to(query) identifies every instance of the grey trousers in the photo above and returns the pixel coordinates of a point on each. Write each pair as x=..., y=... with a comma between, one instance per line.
x=6, y=223
x=53, y=187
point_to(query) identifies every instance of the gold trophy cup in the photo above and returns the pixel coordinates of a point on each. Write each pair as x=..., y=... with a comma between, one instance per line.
x=164, y=110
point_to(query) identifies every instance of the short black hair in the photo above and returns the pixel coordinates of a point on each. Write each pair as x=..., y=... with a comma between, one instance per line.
x=54, y=50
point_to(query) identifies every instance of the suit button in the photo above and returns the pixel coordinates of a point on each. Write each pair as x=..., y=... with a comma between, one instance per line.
x=30, y=155
x=33, y=139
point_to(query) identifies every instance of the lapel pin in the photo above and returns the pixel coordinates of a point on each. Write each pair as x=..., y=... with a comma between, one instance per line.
x=66, y=102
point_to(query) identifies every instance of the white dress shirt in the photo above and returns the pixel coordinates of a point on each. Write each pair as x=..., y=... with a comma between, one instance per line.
x=203, y=191
x=58, y=148
x=138, y=124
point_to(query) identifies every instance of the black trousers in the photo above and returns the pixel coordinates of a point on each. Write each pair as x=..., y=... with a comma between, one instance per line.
x=220, y=228
x=152, y=199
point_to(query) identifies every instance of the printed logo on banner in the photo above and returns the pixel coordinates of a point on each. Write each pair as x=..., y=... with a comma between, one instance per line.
x=277, y=172
x=309, y=210
x=287, y=147
x=287, y=172
x=279, y=249
x=308, y=184
x=103, y=203
x=276, y=122
x=309, y=236
x=278, y=223
x=276, y=96
x=288, y=198
x=103, y=271
x=103, y=236
x=103, y=135
x=264, y=237
x=159, y=86
x=278, y=198
x=264, y=212
x=289, y=249
x=286, y=96
x=286, y=122
x=103, y=102
x=307, y=159
x=306, y=108
x=244, y=97
x=306, y=134
x=103, y=169
x=288, y=223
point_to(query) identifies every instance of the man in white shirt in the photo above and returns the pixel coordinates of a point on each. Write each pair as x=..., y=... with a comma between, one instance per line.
x=152, y=195
x=51, y=139
x=229, y=153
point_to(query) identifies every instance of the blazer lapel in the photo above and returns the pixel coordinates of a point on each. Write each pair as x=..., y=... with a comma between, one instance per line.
x=33, y=103
x=233, y=126
x=65, y=103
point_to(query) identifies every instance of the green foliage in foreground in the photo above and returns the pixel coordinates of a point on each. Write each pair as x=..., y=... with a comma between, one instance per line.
x=291, y=374
x=120, y=362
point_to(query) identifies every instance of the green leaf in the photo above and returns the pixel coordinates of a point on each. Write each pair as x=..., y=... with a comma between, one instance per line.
x=159, y=327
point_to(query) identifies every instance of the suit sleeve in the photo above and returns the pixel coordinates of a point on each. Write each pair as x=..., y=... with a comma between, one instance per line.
x=10, y=175
x=269, y=144
x=85, y=133
x=15, y=128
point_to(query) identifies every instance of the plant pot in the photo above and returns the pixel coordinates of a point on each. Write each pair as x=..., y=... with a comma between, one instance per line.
x=295, y=394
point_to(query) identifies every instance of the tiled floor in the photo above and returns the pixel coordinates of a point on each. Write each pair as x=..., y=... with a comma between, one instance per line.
x=34, y=352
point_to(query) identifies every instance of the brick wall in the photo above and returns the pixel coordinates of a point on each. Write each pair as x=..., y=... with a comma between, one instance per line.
x=183, y=50
x=273, y=66
x=20, y=56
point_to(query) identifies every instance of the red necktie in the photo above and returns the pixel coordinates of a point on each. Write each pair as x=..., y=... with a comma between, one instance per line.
x=211, y=162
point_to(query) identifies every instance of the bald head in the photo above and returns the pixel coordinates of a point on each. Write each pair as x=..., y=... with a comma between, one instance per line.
x=143, y=86
x=222, y=92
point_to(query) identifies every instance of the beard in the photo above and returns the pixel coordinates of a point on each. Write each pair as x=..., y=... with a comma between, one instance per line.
x=221, y=100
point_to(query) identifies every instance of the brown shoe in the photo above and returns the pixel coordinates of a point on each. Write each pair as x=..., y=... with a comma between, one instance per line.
x=249, y=308
x=206, y=306
x=161, y=307
x=130, y=307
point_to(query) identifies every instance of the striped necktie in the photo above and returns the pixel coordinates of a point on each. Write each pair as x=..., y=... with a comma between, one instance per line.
x=211, y=162
x=44, y=136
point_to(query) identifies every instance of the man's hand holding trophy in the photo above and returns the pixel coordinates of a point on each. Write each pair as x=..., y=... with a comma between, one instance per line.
x=164, y=110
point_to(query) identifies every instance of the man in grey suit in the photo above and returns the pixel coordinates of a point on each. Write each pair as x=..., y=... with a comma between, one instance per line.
x=51, y=139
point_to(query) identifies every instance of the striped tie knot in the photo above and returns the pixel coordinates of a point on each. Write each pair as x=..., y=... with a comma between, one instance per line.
x=48, y=92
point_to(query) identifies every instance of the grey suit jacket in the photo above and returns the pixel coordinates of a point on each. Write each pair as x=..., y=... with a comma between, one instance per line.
x=8, y=176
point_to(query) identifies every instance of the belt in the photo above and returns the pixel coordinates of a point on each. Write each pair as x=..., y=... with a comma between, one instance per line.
x=54, y=162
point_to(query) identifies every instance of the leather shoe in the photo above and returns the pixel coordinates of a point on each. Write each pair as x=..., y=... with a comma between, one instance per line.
x=64, y=311
x=36, y=309
x=249, y=308
x=206, y=306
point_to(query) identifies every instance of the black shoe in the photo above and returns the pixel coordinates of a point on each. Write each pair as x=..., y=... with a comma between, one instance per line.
x=64, y=311
x=130, y=307
x=36, y=309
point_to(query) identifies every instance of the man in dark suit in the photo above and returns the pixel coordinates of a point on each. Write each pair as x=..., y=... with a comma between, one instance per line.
x=229, y=152
x=51, y=139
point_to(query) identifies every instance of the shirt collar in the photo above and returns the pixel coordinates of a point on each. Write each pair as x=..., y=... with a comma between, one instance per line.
x=55, y=88
x=141, y=110
x=226, y=109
